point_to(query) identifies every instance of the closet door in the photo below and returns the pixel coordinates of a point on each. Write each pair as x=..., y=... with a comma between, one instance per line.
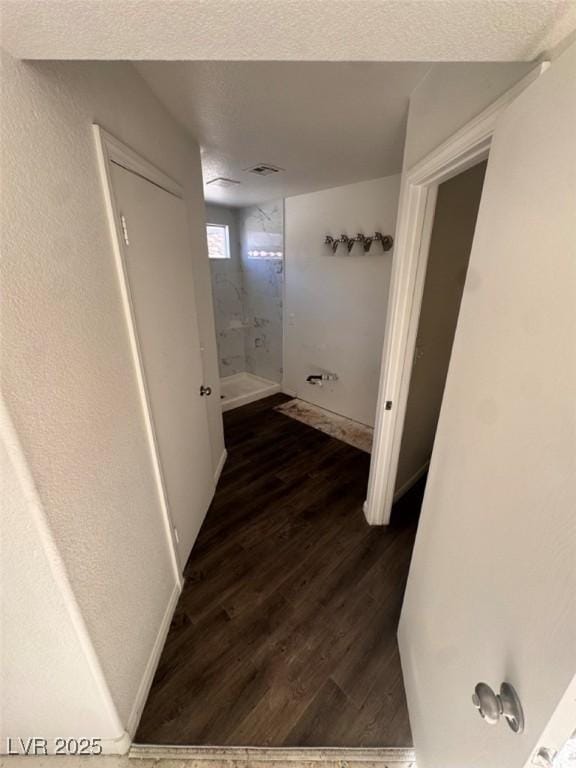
x=158, y=268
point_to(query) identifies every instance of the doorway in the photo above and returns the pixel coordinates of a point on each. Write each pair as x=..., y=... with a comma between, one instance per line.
x=293, y=644
x=455, y=215
x=245, y=252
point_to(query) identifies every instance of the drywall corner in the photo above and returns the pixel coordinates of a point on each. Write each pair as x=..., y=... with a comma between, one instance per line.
x=449, y=96
x=53, y=679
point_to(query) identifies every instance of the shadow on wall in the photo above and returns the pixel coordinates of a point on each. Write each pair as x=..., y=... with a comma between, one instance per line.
x=247, y=290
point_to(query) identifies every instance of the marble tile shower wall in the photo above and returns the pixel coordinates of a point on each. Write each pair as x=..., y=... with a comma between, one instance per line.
x=262, y=229
x=248, y=291
x=228, y=296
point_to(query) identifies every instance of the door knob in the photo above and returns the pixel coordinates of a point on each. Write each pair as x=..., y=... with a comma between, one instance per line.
x=205, y=391
x=493, y=705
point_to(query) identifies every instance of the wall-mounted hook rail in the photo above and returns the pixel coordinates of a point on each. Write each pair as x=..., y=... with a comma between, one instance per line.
x=386, y=241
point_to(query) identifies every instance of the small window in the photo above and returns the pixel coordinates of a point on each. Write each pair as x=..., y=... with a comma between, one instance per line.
x=218, y=241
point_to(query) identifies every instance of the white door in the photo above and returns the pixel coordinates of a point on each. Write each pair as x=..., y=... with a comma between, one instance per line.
x=158, y=267
x=491, y=594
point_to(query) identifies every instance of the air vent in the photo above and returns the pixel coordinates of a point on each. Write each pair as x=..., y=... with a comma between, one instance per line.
x=263, y=169
x=222, y=181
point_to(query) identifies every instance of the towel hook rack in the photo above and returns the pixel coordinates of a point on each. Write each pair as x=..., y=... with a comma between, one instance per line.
x=386, y=241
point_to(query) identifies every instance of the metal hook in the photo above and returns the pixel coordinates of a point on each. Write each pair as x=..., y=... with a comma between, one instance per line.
x=386, y=240
x=367, y=242
x=348, y=241
x=332, y=242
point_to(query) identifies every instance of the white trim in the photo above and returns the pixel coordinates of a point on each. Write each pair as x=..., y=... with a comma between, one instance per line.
x=560, y=727
x=247, y=756
x=109, y=150
x=465, y=148
x=411, y=481
x=220, y=466
x=152, y=663
x=284, y=291
x=119, y=746
x=121, y=154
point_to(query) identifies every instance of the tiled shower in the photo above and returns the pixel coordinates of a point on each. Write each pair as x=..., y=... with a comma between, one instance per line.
x=247, y=290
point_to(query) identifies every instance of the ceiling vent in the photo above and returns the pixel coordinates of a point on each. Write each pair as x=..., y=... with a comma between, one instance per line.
x=264, y=169
x=222, y=181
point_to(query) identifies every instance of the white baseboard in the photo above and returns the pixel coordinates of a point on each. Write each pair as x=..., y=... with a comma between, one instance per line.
x=400, y=492
x=411, y=481
x=119, y=746
x=243, y=757
x=153, y=659
x=220, y=466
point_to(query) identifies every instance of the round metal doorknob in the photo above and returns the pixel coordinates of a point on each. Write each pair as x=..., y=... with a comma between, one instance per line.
x=492, y=706
x=205, y=391
x=487, y=703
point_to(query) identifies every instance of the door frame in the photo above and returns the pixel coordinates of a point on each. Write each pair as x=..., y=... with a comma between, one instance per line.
x=465, y=148
x=110, y=150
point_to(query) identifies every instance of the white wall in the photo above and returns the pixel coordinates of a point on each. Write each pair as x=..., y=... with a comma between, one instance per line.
x=450, y=244
x=48, y=681
x=335, y=304
x=450, y=96
x=68, y=379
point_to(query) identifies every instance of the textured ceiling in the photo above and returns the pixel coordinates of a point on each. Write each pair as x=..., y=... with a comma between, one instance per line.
x=317, y=87
x=321, y=30
x=325, y=123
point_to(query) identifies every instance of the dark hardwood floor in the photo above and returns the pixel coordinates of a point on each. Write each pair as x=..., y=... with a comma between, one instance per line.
x=285, y=632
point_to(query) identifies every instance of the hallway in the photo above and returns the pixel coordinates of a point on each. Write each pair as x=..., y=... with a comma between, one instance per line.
x=285, y=632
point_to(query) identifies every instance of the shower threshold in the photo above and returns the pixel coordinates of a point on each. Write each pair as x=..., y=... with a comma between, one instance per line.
x=243, y=388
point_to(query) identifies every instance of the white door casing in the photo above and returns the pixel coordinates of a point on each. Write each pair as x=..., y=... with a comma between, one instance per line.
x=465, y=148
x=491, y=594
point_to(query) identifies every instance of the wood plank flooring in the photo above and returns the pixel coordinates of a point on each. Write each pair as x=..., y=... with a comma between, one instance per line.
x=285, y=632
